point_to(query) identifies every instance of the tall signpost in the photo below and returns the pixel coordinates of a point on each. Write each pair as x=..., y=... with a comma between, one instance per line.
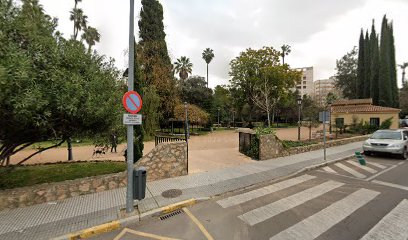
x=129, y=155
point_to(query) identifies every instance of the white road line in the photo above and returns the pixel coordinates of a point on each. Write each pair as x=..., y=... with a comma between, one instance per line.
x=313, y=226
x=391, y=185
x=268, y=211
x=245, y=197
x=382, y=172
x=368, y=169
x=329, y=170
x=394, y=226
x=350, y=170
x=377, y=165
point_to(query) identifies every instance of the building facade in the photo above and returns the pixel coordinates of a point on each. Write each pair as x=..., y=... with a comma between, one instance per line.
x=305, y=84
x=324, y=87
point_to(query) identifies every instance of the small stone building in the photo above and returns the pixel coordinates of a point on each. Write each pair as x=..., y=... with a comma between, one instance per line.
x=344, y=111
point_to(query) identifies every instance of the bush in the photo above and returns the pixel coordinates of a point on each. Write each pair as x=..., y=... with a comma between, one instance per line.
x=386, y=124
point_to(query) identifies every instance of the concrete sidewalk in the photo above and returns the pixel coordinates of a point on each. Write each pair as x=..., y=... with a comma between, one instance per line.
x=54, y=219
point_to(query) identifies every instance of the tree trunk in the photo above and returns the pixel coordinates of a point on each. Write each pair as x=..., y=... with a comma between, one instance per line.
x=310, y=132
x=269, y=118
x=207, y=75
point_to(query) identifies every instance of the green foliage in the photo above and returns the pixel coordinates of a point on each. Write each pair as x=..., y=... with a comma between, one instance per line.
x=404, y=100
x=138, y=145
x=386, y=124
x=222, y=99
x=194, y=91
x=346, y=74
x=264, y=131
x=30, y=175
x=361, y=66
x=375, y=65
x=291, y=144
x=183, y=67
x=151, y=102
x=157, y=69
x=51, y=87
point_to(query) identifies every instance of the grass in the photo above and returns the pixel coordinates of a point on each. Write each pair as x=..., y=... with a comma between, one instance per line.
x=36, y=174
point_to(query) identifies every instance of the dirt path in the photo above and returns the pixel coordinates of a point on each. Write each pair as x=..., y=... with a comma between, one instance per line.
x=212, y=151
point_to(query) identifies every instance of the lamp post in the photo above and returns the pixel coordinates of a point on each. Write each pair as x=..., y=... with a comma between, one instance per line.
x=186, y=130
x=299, y=102
x=218, y=114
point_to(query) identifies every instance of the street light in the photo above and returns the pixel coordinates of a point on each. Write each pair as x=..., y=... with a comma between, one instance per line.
x=186, y=130
x=299, y=102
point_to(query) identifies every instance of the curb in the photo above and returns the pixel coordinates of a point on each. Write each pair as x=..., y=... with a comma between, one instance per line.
x=114, y=225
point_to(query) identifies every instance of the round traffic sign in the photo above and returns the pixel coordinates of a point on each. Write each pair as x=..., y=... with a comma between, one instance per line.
x=132, y=102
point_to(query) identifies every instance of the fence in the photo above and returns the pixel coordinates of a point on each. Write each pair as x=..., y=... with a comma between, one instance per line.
x=161, y=139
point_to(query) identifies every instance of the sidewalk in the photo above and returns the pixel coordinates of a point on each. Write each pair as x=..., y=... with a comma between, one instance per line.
x=54, y=219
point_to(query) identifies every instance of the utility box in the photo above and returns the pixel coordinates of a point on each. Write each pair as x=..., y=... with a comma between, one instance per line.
x=139, y=183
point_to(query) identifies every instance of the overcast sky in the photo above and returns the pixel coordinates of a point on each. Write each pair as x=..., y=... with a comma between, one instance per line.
x=319, y=31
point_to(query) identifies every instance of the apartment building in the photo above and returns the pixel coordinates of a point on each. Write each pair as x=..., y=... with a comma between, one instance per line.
x=324, y=87
x=305, y=85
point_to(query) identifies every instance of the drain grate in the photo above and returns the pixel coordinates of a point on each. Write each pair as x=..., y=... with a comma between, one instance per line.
x=172, y=193
x=167, y=216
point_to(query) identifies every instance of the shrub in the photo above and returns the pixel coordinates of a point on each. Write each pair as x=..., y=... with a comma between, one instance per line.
x=386, y=124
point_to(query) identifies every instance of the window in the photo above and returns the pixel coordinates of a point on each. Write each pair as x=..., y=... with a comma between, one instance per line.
x=375, y=122
x=298, y=87
x=304, y=82
x=339, y=122
x=304, y=87
x=405, y=134
x=304, y=78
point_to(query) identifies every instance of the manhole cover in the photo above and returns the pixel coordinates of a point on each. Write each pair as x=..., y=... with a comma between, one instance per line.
x=172, y=193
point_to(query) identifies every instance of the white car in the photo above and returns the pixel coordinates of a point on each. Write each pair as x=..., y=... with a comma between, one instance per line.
x=388, y=141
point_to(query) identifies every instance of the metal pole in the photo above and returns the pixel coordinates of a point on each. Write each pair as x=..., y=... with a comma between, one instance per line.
x=129, y=193
x=299, y=124
x=324, y=134
x=69, y=143
x=186, y=130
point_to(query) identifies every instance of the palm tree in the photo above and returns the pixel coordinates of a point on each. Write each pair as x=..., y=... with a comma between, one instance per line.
x=91, y=37
x=208, y=55
x=403, y=66
x=285, y=51
x=80, y=20
x=183, y=67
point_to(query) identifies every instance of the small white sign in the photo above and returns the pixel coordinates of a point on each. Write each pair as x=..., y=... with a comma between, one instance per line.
x=132, y=119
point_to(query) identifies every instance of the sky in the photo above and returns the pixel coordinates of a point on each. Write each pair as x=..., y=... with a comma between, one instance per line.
x=318, y=31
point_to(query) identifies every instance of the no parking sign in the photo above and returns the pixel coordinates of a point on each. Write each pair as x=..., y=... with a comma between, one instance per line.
x=133, y=104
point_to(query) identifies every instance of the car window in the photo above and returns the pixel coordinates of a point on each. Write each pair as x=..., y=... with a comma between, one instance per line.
x=405, y=135
x=387, y=135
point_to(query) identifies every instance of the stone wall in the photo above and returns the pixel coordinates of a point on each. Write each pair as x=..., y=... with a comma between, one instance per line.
x=269, y=147
x=164, y=161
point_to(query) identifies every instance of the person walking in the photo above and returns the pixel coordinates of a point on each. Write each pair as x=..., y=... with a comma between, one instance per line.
x=114, y=142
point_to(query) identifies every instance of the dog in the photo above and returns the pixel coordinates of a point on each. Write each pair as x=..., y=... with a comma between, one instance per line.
x=99, y=151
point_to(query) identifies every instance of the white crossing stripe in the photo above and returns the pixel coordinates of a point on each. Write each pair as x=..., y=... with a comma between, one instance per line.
x=368, y=169
x=245, y=197
x=329, y=169
x=391, y=185
x=377, y=165
x=350, y=170
x=394, y=226
x=268, y=211
x=313, y=226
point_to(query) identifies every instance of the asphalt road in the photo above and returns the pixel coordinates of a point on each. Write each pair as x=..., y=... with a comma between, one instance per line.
x=342, y=201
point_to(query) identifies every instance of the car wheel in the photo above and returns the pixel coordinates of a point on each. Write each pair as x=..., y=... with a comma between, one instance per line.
x=367, y=153
x=404, y=154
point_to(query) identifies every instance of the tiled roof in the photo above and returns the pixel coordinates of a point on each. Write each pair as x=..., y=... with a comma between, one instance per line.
x=366, y=101
x=362, y=108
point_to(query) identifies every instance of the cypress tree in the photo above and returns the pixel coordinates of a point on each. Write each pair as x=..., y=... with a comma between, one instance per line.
x=393, y=67
x=374, y=76
x=367, y=66
x=360, y=67
x=385, y=95
x=157, y=68
x=138, y=129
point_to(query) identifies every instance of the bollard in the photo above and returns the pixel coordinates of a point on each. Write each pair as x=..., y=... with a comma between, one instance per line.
x=139, y=183
x=360, y=158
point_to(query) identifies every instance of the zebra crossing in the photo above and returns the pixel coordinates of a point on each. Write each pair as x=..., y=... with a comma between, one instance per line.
x=392, y=226
x=353, y=169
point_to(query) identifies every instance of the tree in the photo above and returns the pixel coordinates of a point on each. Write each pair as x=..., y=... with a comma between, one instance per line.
x=243, y=73
x=285, y=51
x=138, y=145
x=79, y=19
x=91, y=37
x=273, y=83
x=310, y=112
x=403, y=66
x=50, y=85
x=183, y=67
x=361, y=67
x=346, y=76
x=367, y=66
x=375, y=58
x=208, y=55
x=155, y=64
x=194, y=91
x=222, y=99
x=404, y=100
x=385, y=83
